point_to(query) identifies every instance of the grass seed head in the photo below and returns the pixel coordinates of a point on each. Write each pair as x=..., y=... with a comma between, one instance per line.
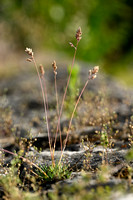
x=71, y=44
x=78, y=34
x=93, y=72
x=54, y=67
x=29, y=59
x=42, y=70
x=29, y=51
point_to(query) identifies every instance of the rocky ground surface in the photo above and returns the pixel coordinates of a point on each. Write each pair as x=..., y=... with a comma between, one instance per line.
x=105, y=114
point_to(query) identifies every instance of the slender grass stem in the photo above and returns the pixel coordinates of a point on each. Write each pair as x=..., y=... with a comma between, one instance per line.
x=57, y=108
x=70, y=122
x=64, y=96
x=45, y=91
x=57, y=102
x=45, y=107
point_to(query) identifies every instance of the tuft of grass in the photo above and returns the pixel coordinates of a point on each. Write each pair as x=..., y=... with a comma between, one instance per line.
x=54, y=173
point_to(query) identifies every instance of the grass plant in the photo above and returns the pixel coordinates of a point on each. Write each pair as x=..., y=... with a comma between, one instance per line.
x=58, y=170
x=41, y=76
x=12, y=184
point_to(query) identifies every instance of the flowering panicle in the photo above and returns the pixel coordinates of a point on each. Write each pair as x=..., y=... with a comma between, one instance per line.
x=93, y=72
x=29, y=51
x=41, y=70
x=78, y=34
x=71, y=44
x=29, y=59
x=54, y=67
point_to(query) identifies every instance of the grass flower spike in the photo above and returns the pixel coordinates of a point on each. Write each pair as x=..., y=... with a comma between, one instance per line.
x=29, y=51
x=93, y=72
x=78, y=34
x=42, y=70
x=54, y=67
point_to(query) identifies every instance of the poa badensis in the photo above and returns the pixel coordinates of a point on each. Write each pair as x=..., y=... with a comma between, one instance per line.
x=41, y=75
x=57, y=170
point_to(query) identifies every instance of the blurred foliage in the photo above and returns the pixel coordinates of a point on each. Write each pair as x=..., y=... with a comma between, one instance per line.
x=106, y=25
x=73, y=89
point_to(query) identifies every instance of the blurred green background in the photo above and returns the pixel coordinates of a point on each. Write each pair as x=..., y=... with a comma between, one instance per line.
x=107, y=27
